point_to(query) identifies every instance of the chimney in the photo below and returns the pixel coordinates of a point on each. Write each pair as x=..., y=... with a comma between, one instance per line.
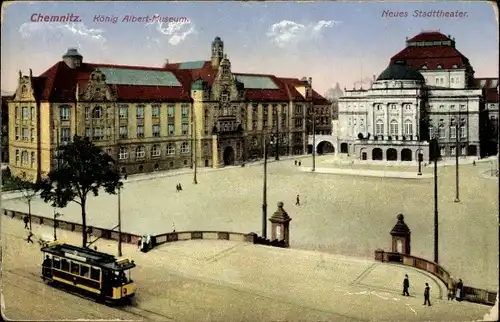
x=310, y=81
x=31, y=73
x=20, y=74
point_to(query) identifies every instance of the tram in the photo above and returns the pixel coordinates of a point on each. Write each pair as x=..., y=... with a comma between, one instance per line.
x=88, y=272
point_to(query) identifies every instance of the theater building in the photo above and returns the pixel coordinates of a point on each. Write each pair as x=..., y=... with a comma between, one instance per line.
x=158, y=118
x=428, y=91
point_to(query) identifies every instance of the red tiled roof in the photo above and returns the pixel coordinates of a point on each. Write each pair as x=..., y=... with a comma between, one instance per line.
x=429, y=36
x=432, y=56
x=490, y=88
x=152, y=93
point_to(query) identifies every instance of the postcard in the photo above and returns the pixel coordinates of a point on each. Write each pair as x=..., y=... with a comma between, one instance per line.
x=250, y=161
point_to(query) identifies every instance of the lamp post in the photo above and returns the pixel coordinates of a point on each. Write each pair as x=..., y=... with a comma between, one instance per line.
x=264, y=187
x=195, y=169
x=434, y=154
x=313, y=121
x=457, y=187
x=56, y=215
x=119, y=220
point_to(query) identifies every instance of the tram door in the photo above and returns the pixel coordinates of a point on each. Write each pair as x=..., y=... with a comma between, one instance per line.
x=107, y=283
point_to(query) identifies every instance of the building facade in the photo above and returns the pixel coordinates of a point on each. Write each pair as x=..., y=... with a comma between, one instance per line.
x=4, y=138
x=428, y=91
x=157, y=118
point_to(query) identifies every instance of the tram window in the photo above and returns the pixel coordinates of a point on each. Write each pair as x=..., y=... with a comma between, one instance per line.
x=75, y=268
x=64, y=265
x=94, y=273
x=84, y=270
x=56, y=262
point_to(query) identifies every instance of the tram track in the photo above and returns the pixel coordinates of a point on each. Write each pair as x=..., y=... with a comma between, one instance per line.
x=145, y=314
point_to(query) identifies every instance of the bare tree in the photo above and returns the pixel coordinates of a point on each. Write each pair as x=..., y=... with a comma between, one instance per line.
x=28, y=190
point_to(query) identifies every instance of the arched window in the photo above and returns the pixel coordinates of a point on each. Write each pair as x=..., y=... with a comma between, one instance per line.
x=185, y=147
x=408, y=127
x=140, y=152
x=155, y=150
x=123, y=153
x=379, y=127
x=394, y=127
x=97, y=112
x=170, y=149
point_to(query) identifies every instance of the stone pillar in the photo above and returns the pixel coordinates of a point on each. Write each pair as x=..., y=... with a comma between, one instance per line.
x=215, y=152
x=401, y=237
x=280, y=225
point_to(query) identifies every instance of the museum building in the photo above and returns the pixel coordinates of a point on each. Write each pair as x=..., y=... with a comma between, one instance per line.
x=428, y=91
x=158, y=118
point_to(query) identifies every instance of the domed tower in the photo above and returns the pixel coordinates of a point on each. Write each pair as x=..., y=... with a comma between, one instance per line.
x=217, y=52
x=72, y=58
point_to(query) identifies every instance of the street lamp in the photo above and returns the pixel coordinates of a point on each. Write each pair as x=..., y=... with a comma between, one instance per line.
x=119, y=220
x=434, y=152
x=457, y=187
x=195, y=169
x=314, y=140
x=264, y=187
x=56, y=215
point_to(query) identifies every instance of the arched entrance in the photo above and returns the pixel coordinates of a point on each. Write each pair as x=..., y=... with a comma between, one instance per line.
x=228, y=156
x=406, y=155
x=363, y=154
x=325, y=147
x=392, y=155
x=377, y=154
x=344, y=148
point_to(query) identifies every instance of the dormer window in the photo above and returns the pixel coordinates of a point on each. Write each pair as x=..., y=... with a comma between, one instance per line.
x=454, y=66
x=439, y=67
x=224, y=96
x=424, y=67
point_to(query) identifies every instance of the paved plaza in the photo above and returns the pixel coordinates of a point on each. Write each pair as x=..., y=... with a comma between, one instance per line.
x=209, y=280
x=339, y=214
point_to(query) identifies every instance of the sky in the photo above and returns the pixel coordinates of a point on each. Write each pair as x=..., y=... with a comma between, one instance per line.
x=343, y=42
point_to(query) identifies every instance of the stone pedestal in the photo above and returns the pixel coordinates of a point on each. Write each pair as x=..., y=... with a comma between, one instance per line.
x=280, y=225
x=401, y=237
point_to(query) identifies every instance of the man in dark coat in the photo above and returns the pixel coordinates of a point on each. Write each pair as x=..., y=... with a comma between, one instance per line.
x=427, y=294
x=26, y=221
x=460, y=290
x=406, y=286
x=297, y=202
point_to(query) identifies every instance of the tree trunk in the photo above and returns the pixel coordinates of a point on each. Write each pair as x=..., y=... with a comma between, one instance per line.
x=84, y=223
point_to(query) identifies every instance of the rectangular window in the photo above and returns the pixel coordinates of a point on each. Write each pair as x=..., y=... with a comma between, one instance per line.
x=64, y=265
x=298, y=123
x=156, y=130
x=95, y=274
x=98, y=133
x=394, y=129
x=453, y=132
x=25, y=134
x=26, y=113
x=298, y=109
x=87, y=113
x=123, y=132
x=171, y=111
x=123, y=154
x=171, y=129
x=33, y=115
x=155, y=110
x=33, y=159
x=140, y=131
x=65, y=134
x=185, y=110
x=56, y=262
x=155, y=151
x=452, y=150
x=185, y=128
x=463, y=132
x=75, y=268
x=140, y=111
x=140, y=152
x=254, y=125
x=442, y=132
x=84, y=270
x=32, y=134
x=17, y=156
x=408, y=128
x=123, y=112
x=16, y=130
x=64, y=113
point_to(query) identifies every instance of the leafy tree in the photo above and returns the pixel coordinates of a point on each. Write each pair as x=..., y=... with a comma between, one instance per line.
x=28, y=189
x=82, y=168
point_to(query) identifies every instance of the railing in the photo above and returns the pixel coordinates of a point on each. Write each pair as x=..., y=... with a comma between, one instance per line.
x=111, y=234
x=471, y=294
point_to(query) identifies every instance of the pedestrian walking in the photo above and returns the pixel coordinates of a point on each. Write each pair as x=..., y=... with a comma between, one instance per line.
x=180, y=187
x=177, y=188
x=26, y=221
x=406, y=286
x=460, y=290
x=29, y=240
x=300, y=163
x=427, y=294
x=474, y=162
x=297, y=202
x=295, y=162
